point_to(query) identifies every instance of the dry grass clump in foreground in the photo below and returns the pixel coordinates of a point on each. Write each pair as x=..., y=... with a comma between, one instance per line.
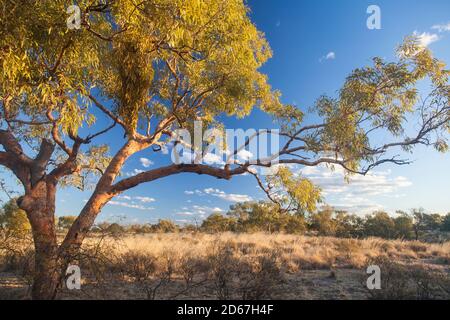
x=257, y=266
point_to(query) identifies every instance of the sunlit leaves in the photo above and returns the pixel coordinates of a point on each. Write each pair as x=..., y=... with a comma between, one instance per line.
x=294, y=192
x=381, y=98
x=91, y=164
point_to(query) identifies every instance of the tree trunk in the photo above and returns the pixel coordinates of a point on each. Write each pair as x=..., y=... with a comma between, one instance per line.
x=39, y=204
x=47, y=271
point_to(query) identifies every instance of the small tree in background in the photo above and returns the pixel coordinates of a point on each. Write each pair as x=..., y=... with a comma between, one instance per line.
x=380, y=224
x=13, y=220
x=294, y=224
x=115, y=229
x=323, y=222
x=217, y=223
x=424, y=223
x=349, y=225
x=165, y=226
x=64, y=223
x=446, y=223
x=404, y=226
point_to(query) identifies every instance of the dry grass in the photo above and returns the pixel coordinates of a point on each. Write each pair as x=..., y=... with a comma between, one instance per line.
x=242, y=266
x=299, y=252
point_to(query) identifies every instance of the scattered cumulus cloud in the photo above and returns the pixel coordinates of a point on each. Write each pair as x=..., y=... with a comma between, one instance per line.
x=185, y=213
x=441, y=27
x=137, y=198
x=231, y=197
x=360, y=193
x=374, y=183
x=426, y=38
x=212, y=158
x=146, y=163
x=134, y=172
x=135, y=202
x=197, y=192
x=129, y=205
x=145, y=199
x=208, y=158
x=329, y=56
x=198, y=211
x=245, y=155
x=357, y=204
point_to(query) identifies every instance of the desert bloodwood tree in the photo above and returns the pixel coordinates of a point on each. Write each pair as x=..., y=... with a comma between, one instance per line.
x=154, y=66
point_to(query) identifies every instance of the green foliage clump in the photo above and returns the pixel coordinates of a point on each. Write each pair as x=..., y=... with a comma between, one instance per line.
x=66, y=222
x=14, y=220
x=216, y=223
x=165, y=226
x=446, y=223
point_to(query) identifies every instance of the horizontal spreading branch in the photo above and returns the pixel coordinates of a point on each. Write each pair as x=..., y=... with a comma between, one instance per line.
x=159, y=173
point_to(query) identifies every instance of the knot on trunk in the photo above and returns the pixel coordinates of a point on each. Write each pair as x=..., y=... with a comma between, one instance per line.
x=25, y=203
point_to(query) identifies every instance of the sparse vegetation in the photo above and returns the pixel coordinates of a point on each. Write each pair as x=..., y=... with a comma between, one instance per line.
x=265, y=256
x=242, y=266
x=418, y=282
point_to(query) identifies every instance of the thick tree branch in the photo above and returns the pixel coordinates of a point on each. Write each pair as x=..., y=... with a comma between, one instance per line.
x=12, y=145
x=159, y=173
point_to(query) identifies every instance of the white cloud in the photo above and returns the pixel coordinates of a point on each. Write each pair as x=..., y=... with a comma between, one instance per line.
x=145, y=199
x=211, y=190
x=209, y=158
x=133, y=202
x=124, y=197
x=441, y=27
x=245, y=155
x=212, y=158
x=201, y=211
x=355, y=196
x=329, y=56
x=374, y=183
x=129, y=205
x=426, y=38
x=146, y=163
x=134, y=172
x=356, y=204
x=231, y=197
x=185, y=213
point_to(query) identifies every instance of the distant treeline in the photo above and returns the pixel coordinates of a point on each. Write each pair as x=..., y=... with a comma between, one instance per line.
x=264, y=217
x=253, y=217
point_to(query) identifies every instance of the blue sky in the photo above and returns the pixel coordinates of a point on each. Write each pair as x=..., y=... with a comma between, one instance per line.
x=316, y=43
